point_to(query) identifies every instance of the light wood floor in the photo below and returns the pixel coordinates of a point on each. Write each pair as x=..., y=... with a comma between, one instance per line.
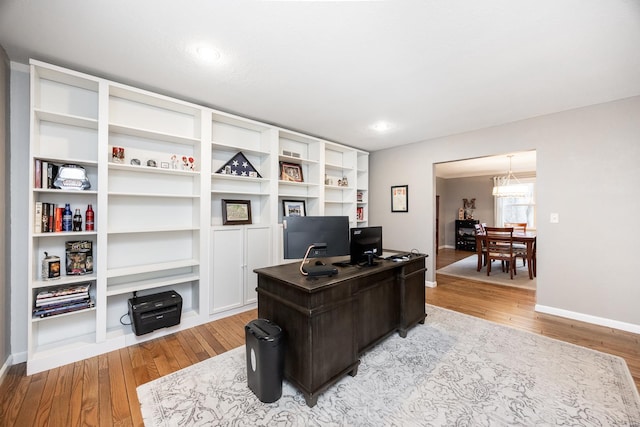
x=102, y=390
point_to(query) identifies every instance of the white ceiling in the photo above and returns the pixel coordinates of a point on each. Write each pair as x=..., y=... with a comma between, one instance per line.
x=333, y=68
x=524, y=161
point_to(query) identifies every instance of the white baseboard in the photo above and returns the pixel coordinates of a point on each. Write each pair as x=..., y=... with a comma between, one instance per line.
x=19, y=357
x=5, y=367
x=609, y=323
x=430, y=284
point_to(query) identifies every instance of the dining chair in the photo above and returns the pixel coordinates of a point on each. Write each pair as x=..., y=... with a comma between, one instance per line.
x=500, y=247
x=519, y=248
x=482, y=250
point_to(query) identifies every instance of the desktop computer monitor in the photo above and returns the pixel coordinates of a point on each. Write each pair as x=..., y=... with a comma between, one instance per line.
x=328, y=234
x=366, y=245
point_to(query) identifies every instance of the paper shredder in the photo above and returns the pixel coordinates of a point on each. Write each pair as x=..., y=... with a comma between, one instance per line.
x=265, y=359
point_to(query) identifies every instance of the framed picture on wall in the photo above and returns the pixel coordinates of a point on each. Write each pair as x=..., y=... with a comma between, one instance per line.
x=400, y=198
x=293, y=208
x=236, y=212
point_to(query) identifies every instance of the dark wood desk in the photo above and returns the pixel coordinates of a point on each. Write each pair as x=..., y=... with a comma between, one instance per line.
x=528, y=238
x=330, y=321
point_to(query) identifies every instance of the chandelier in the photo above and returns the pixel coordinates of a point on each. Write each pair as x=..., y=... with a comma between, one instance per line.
x=508, y=185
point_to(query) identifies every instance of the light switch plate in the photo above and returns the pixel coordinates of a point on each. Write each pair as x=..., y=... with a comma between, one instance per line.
x=554, y=218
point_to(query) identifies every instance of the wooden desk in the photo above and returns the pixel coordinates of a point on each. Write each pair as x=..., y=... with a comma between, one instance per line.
x=528, y=238
x=330, y=321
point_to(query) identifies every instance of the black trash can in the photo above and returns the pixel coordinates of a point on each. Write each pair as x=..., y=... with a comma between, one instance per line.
x=265, y=359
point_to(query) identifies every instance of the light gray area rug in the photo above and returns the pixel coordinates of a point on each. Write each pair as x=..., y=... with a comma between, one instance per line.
x=466, y=268
x=453, y=370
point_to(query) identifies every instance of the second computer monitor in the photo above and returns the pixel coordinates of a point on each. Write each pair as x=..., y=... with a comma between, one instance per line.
x=365, y=245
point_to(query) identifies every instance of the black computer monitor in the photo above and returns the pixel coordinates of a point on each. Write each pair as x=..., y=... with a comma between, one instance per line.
x=328, y=234
x=366, y=245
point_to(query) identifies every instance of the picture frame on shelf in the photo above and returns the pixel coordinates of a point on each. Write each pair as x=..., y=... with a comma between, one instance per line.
x=400, y=198
x=291, y=172
x=294, y=208
x=236, y=212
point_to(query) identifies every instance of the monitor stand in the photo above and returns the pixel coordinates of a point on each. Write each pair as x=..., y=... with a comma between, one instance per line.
x=370, y=260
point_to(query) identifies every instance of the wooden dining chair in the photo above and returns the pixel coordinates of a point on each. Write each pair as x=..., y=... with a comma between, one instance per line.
x=500, y=247
x=482, y=250
x=519, y=248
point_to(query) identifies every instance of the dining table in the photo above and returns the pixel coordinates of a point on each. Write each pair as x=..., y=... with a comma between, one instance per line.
x=527, y=238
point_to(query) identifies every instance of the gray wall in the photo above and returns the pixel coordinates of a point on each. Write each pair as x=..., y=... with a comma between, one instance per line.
x=588, y=171
x=5, y=291
x=19, y=216
x=451, y=192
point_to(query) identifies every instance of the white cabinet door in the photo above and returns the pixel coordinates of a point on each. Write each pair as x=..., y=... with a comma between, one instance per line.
x=258, y=255
x=228, y=272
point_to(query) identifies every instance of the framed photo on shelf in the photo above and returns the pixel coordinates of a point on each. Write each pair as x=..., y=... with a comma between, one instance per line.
x=291, y=172
x=293, y=208
x=400, y=198
x=236, y=212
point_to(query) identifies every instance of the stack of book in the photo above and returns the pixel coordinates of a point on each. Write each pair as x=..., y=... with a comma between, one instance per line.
x=48, y=217
x=45, y=173
x=53, y=301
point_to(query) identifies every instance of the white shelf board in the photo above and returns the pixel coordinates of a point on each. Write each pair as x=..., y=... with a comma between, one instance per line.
x=239, y=178
x=63, y=280
x=159, y=195
x=149, y=169
x=297, y=196
x=298, y=184
x=291, y=159
x=153, y=230
x=148, y=268
x=150, y=134
x=338, y=187
x=219, y=146
x=65, y=234
x=329, y=166
x=59, y=191
x=241, y=193
x=141, y=285
x=67, y=119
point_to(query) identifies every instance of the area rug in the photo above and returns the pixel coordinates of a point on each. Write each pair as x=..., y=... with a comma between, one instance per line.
x=467, y=269
x=453, y=370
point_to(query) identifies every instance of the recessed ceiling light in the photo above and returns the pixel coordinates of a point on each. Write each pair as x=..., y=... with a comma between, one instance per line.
x=206, y=53
x=381, y=126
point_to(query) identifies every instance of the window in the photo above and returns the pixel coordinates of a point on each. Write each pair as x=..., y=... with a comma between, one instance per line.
x=517, y=209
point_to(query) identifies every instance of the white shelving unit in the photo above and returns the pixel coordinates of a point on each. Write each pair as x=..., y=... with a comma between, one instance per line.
x=64, y=129
x=362, y=189
x=158, y=213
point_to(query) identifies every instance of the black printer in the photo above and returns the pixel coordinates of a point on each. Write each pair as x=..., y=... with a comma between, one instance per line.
x=156, y=311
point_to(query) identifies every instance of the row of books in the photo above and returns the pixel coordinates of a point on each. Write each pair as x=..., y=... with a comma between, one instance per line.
x=44, y=174
x=53, y=301
x=48, y=217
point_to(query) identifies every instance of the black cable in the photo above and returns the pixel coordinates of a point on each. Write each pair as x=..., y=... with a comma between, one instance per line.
x=122, y=323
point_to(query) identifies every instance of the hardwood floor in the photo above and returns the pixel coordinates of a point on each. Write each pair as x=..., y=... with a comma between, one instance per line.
x=101, y=391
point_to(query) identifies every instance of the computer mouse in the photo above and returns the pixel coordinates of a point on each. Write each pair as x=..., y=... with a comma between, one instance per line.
x=319, y=262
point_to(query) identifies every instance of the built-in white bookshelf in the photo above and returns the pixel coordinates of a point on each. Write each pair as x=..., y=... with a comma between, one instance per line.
x=158, y=205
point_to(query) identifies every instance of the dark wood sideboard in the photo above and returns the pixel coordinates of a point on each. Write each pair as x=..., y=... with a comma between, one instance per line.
x=330, y=321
